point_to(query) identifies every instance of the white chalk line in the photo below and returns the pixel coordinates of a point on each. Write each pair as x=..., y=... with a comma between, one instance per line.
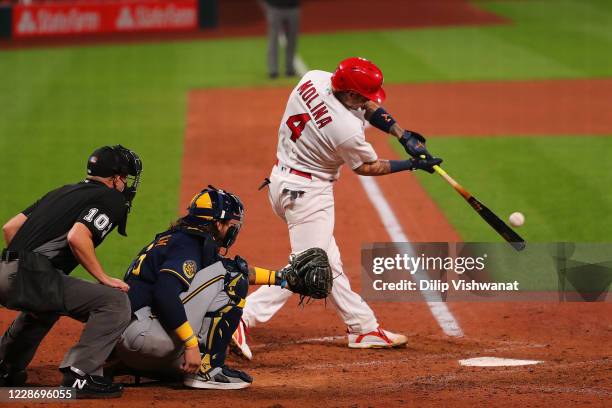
x=298, y=62
x=438, y=308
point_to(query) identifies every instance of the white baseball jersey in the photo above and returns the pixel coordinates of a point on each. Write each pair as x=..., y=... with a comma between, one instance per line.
x=318, y=134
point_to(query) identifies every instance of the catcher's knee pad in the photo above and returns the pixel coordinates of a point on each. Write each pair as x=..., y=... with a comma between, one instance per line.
x=237, y=288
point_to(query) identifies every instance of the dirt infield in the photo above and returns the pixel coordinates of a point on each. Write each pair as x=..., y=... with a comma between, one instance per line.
x=547, y=107
x=569, y=338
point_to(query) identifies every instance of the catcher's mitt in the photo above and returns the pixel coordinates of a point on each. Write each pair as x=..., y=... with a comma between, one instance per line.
x=308, y=274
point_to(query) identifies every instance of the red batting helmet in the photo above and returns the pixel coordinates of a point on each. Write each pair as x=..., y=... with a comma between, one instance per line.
x=361, y=76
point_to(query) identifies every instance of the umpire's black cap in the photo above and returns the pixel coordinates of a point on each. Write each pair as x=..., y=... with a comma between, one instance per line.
x=108, y=161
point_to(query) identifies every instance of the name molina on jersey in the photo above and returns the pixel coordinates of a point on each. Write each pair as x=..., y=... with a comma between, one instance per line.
x=309, y=93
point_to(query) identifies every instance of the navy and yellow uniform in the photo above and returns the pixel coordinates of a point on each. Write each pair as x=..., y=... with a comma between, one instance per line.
x=180, y=286
x=165, y=268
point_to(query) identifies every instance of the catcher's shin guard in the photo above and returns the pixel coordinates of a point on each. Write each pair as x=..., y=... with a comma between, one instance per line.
x=223, y=322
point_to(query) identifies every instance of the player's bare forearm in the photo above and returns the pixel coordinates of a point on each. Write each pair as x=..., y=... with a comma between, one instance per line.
x=412, y=142
x=371, y=107
x=396, y=130
x=12, y=226
x=377, y=168
x=81, y=243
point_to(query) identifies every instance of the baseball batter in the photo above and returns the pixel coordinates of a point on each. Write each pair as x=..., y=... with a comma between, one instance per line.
x=322, y=129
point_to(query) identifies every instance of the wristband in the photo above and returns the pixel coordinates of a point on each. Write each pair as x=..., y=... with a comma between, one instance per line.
x=280, y=279
x=264, y=276
x=400, y=165
x=191, y=342
x=382, y=120
x=185, y=333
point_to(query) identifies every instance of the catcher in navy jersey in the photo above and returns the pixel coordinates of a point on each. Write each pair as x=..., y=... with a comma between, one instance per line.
x=187, y=298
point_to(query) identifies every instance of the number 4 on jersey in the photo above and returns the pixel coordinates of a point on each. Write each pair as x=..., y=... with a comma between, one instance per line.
x=297, y=123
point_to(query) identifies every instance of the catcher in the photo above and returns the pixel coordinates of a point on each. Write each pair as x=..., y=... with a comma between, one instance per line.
x=187, y=298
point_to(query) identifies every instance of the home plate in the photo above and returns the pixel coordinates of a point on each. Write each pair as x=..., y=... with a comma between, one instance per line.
x=496, y=362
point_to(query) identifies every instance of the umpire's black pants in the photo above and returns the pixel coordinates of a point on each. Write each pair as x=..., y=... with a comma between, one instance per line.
x=105, y=311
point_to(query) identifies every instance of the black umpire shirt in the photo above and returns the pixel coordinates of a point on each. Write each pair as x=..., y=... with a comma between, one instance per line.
x=45, y=231
x=284, y=3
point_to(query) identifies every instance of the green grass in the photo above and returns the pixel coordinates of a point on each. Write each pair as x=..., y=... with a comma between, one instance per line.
x=58, y=104
x=545, y=39
x=585, y=267
x=560, y=184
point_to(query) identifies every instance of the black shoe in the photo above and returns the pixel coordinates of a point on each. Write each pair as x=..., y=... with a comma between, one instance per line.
x=90, y=386
x=273, y=75
x=290, y=74
x=10, y=377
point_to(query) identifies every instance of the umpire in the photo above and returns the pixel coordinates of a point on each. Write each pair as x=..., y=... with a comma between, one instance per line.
x=282, y=16
x=45, y=242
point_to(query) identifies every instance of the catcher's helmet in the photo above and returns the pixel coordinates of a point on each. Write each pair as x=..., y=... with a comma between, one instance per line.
x=213, y=204
x=361, y=76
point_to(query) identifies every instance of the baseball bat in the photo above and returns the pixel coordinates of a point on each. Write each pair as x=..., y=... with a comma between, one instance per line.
x=489, y=216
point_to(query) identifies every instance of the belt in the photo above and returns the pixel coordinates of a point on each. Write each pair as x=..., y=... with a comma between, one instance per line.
x=296, y=172
x=9, y=256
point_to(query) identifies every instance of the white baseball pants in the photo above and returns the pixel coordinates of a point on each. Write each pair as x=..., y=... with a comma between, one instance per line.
x=310, y=218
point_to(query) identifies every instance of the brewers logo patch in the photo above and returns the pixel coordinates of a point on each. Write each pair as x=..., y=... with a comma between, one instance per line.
x=189, y=268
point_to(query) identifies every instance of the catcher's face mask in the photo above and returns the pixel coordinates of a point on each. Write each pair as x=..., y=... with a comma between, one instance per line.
x=231, y=234
x=235, y=214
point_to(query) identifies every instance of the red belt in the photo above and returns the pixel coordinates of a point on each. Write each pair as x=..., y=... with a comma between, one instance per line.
x=297, y=172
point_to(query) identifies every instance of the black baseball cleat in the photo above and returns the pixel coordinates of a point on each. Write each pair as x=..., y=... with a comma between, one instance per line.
x=11, y=377
x=90, y=386
x=219, y=378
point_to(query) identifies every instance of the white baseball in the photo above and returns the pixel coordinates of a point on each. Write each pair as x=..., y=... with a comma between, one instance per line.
x=516, y=219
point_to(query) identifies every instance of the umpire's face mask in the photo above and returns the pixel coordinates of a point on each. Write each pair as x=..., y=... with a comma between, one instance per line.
x=134, y=169
x=129, y=192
